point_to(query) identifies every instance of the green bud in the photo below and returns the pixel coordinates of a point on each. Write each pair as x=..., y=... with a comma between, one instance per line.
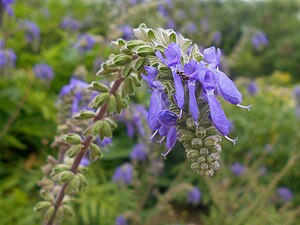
x=145, y=51
x=200, y=132
x=60, y=168
x=119, y=103
x=86, y=114
x=204, y=166
x=97, y=127
x=111, y=123
x=193, y=155
x=131, y=87
x=42, y=206
x=201, y=159
x=197, y=143
x=198, y=56
x=190, y=123
x=136, y=80
x=74, y=185
x=124, y=104
x=95, y=152
x=173, y=37
x=72, y=138
x=151, y=34
x=195, y=166
x=121, y=60
x=47, y=195
x=48, y=214
x=128, y=69
x=215, y=165
x=68, y=210
x=83, y=182
x=99, y=100
x=66, y=176
x=212, y=141
x=59, y=215
x=74, y=150
x=98, y=86
x=134, y=43
x=119, y=43
x=216, y=149
x=204, y=151
x=112, y=104
x=105, y=131
x=140, y=63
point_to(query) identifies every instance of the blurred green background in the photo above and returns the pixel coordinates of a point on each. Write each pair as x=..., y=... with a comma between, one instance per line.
x=260, y=43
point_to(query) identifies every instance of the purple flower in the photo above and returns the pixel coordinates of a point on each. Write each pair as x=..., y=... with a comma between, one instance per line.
x=194, y=196
x=259, y=40
x=123, y=174
x=43, y=71
x=252, y=88
x=237, y=169
x=73, y=84
x=6, y=4
x=171, y=24
x=2, y=59
x=127, y=32
x=213, y=82
x=205, y=25
x=85, y=162
x=32, y=31
x=84, y=43
x=134, y=120
x=285, y=194
x=217, y=37
x=139, y=153
x=191, y=28
x=71, y=24
x=172, y=60
x=105, y=142
x=121, y=220
x=162, y=10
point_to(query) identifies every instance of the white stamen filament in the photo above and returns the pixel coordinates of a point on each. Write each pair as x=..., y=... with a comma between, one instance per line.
x=245, y=106
x=153, y=135
x=232, y=140
x=166, y=153
x=161, y=140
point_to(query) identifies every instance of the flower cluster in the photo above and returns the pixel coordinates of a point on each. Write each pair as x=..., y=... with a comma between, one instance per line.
x=259, y=40
x=6, y=4
x=7, y=56
x=32, y=31
x=197, y=78
x=84, y=43
x=70, y=24
x=123, y=174
x=43, y=71
x=194, y=196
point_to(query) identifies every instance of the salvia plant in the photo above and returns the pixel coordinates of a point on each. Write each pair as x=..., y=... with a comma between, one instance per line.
x=185, y=85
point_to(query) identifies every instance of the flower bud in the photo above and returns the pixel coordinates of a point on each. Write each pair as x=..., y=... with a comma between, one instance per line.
x=99, y=100
x=140, y=63
x=197, y=143
x=66, y=176
x=204, y=151
x=212, y=141
x=48, y=214
x=72, y=138
x=60, y=168
x=86, y=114
x=42, y=206
x=74, y=150
x=121, y=60
x=98, y=86
x=83, y=182
x=200, y=132
x=95, y=152
x=48, y=196
x=68, y=210
x=111, y=123
x=193, y=154
x=74, y=185
x=145, y=51
x=195, y=166
x=112, y=104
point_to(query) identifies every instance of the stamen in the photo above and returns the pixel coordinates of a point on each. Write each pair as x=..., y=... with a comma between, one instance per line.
x=245, y=106
x=153, y=135
x=232, y=140
x=161, y=140
x=166, y=153
x=180, y=114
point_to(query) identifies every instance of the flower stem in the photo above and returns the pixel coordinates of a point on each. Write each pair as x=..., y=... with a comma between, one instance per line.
x=86, y=143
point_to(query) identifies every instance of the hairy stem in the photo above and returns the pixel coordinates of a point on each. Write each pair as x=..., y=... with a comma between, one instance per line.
x=86, y=143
